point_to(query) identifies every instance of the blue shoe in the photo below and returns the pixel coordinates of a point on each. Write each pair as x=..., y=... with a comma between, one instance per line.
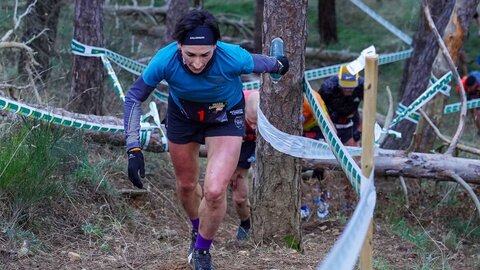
x=202, y=260
x=243, y=233
x=192, y=247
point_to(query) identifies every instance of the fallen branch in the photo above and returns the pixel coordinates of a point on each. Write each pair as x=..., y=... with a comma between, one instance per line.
x=413, y=165
x=387, y=163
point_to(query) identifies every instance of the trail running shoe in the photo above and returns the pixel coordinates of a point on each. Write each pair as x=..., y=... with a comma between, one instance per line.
x=192, y=247
x=242, y=233
x=202, y=260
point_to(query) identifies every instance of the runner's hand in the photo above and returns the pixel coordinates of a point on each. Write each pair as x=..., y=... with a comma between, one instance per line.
x=136, y=164
x=283, y=63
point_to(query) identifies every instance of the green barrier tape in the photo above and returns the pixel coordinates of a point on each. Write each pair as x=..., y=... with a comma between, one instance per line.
x=45, y=116
x=390, y=27
x=137, y=68
x=349, y=166
x=413, y=117
x=455, y=107
x=113, y=77
x=423, y=98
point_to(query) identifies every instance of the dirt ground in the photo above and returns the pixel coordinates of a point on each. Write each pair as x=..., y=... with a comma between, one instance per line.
x=95, y=229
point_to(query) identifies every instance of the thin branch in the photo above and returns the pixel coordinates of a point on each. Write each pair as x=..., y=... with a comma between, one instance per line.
x=388, y=118
x=451, y=65
x=7, y=85
x=405, y=190
x=19, y=20
x=467, y=188
x=459, y=146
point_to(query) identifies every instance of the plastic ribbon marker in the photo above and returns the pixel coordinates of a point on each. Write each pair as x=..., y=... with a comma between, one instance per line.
x=455, y=107
x=390, y=27
x=424, y=98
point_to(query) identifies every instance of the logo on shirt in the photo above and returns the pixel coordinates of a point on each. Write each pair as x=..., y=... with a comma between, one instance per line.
x=239, y=122
x=217, y=106
x=236, y=112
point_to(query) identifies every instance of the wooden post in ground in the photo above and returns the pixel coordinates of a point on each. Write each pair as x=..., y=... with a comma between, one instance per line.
x=368, y=140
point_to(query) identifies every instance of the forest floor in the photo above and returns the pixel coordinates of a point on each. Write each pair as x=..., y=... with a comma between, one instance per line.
x=97, y=228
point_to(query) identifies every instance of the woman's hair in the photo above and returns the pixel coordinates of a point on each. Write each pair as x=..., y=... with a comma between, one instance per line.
x=193, y=19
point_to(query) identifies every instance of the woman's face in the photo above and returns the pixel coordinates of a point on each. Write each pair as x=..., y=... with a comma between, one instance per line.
x=196, y=57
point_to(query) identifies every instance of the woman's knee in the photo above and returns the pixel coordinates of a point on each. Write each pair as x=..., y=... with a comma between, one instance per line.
x=214, y=194
x=186, y=185
x=240, y=198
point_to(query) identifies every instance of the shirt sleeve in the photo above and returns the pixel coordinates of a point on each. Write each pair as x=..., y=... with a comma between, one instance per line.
x=137, y=94
x=263, y=63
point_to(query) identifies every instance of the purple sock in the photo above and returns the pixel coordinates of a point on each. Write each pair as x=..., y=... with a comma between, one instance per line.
x=195, y=223
x=202, y=243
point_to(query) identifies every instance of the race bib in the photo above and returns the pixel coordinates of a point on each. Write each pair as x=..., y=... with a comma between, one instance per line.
x=214, y=112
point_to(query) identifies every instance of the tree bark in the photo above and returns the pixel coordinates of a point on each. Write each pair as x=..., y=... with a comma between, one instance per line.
x=176, y=10
x=327, y=21
x=257, y=32
x=418, y=67
x=43, y=17
x=276, y=189
x=454, y=36
x=87, y=94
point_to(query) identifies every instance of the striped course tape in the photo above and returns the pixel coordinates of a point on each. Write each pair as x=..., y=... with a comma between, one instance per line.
x=137, y=68
x=455, y=107
x=113, y=77
x=153, y=112
x=49, y=117
x=349, y=166
x=423, y=98
x=413, y=117
x=297, y=146
x=390, y=27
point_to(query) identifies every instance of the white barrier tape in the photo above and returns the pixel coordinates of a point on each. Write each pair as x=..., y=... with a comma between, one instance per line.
x=444, y=90
x=413, y=117
x=390, y=27
x=455, y=107
x=358, y=64
x=423, y=98
x=296, y=146
x=351, y=169
x=113, y=77
x=162, y=97
x=49, y=117
x=153, y=112
x=346, y=250
x=137, y=68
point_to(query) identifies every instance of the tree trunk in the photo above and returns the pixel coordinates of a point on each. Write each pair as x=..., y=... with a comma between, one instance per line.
x=257, y=34
x=327, y=21
x=418, y=67
x=453, y=37
x=276, y=204
x=176, y=10
x=87, y=94
x=44, y=16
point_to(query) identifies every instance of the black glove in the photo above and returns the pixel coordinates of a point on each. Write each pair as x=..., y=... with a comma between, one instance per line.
x=284, y=65
x=136, y=164
x=357, y=135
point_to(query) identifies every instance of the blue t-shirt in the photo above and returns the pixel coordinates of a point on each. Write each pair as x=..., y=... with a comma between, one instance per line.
x=220, y=82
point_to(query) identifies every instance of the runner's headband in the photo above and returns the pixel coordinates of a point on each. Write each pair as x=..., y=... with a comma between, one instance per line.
x=201, y=35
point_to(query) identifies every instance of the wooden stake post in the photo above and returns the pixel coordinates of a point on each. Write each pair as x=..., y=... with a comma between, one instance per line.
x=368, y=140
